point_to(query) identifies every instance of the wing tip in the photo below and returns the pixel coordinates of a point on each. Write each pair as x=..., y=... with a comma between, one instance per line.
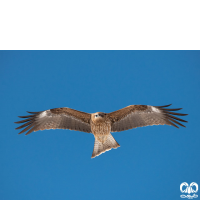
x=171, y=116
x=164, y=106
x=27, y=124
x=32, y=112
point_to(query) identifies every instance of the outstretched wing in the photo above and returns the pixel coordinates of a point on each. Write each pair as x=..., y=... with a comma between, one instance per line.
x=57, y=118
x=142, y=115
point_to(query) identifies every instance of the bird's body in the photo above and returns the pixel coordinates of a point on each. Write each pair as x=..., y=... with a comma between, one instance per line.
x=101, y=128
x=101, y=124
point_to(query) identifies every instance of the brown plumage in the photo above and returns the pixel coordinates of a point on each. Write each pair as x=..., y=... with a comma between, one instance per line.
x=101, y=124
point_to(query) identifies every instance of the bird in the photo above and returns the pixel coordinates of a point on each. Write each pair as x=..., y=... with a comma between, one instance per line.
x=101, y=124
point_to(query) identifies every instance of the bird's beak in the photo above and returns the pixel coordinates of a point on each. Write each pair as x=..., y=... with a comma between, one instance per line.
x=101, y=114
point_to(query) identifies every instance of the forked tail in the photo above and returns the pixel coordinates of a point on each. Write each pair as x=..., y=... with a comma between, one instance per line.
x=100, y=148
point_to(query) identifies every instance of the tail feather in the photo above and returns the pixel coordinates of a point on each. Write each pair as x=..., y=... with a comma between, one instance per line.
x=100, y=147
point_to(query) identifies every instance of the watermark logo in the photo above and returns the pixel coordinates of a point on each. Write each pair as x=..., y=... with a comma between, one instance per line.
x=189, y=189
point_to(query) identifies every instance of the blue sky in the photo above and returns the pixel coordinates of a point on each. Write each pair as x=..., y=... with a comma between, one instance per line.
x=152, y=161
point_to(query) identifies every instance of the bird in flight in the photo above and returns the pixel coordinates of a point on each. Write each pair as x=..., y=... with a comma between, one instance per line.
x=101, y=124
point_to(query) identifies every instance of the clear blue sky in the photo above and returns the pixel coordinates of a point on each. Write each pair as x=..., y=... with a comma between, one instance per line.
x=152, y=161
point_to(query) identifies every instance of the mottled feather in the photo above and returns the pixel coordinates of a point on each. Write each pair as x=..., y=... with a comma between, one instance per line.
x=141, y=115
x=57, y=118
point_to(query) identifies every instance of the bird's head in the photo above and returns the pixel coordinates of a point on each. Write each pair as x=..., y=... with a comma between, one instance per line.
x=98, y=117
x=99, y=114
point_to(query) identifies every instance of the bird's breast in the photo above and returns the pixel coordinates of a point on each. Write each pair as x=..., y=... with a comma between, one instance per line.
x=101, y=130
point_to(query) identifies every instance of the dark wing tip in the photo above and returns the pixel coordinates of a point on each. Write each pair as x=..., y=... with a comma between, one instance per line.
x=32, y=112
x=28, y=124
x=170, y=115
x=163, y=106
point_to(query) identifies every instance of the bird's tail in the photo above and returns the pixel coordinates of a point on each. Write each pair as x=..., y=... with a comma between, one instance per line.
x=100, y=147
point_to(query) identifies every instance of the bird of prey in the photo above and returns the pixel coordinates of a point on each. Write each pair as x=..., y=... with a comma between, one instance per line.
x=101, y=124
